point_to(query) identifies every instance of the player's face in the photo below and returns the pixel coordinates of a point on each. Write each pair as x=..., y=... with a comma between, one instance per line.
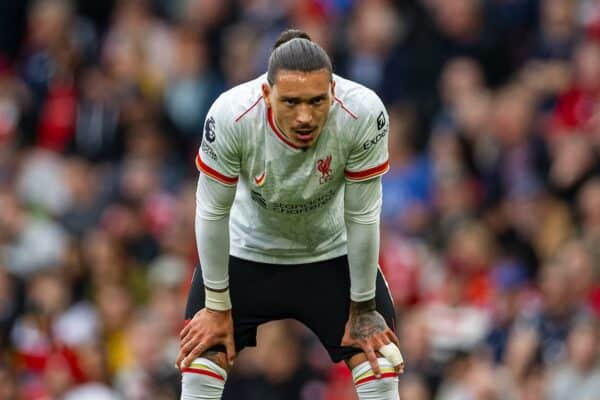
x=300, y=102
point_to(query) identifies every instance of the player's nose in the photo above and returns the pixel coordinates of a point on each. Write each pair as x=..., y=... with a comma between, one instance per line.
x=303, y=116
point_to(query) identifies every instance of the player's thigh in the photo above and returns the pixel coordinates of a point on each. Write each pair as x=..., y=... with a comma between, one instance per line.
x=247, y=309
x=324, y=305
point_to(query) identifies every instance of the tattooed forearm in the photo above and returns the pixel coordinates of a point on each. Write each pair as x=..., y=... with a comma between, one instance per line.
x=362, y=306
x=366, y=324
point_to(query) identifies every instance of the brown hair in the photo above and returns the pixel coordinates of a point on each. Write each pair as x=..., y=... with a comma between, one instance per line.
x=294, y=50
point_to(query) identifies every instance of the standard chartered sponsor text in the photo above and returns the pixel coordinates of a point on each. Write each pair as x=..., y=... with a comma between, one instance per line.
x=298, y=208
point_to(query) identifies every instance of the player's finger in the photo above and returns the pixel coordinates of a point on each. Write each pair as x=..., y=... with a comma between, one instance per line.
x=376, y=343
x=400, y=367
x=183, y=333
x=189, y=338
x=230, y=350
x=192, y=355
x=372, y=358
x=392, y=353
x=392, y=336
x=180, y=357
x=184, y=350
x=380, y=340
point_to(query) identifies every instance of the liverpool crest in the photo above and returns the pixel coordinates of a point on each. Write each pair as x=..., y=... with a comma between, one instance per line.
x=324, y=168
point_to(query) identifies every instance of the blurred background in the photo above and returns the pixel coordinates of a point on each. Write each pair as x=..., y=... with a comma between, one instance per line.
x=491, y=218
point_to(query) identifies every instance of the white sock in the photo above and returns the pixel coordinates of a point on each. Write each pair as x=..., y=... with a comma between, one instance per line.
x=368, y=387
x=203, y=380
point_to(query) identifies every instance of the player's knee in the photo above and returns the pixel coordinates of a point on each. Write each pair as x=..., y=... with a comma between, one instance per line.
x=369, y=387
x=219, y=358
x=203, y=380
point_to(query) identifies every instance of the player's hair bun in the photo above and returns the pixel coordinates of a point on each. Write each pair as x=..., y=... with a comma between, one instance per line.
x=295, y=51
x=290, y=34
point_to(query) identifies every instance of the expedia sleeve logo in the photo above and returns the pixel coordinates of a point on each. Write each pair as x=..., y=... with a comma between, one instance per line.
x=380, y=121
x=209, y=130
x=381, y=132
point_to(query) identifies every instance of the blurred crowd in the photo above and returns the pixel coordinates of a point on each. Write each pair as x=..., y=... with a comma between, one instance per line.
x=491, y=216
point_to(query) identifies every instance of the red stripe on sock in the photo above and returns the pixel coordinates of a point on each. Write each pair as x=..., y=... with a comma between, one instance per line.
x=372, y=378
x=204, y=372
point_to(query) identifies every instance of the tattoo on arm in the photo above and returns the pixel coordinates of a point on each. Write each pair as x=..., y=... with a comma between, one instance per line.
x=362, y=306
x=366, y=324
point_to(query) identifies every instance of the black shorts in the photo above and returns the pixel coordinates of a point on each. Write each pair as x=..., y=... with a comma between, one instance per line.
x=316, y=294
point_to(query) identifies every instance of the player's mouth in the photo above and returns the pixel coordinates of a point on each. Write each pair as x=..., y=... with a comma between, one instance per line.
x=304, y=134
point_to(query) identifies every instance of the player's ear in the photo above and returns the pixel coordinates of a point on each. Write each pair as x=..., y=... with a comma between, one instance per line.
x=332, y=91
x=266, y=90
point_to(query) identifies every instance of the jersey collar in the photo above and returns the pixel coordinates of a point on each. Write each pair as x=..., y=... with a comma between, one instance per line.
x=275, y=129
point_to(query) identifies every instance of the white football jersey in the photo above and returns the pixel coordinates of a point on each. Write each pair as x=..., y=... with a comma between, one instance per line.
x=289, y=202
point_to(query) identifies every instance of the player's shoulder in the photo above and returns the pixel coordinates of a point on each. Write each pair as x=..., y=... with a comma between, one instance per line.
x=356, y=100
x=239, y=101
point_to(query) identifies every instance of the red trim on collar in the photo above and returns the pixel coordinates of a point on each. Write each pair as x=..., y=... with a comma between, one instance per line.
x=276, y=130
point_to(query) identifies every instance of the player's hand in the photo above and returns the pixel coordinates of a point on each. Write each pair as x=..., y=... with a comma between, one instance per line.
x=366, y=329
x=208, y=328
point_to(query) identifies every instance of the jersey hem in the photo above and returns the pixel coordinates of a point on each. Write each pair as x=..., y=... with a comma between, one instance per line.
x=257, y=256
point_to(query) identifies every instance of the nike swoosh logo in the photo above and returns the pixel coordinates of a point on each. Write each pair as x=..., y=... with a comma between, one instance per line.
x=259, y=180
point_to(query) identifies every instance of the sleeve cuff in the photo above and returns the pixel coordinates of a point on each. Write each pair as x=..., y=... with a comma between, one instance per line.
x=214, y=174
x=367, y=173
x=362, y=296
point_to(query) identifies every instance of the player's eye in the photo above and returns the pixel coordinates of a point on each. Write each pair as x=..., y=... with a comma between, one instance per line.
x=290, y=102
x=318, y=101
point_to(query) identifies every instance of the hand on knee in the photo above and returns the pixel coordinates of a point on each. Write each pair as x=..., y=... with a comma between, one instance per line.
x=368, y=387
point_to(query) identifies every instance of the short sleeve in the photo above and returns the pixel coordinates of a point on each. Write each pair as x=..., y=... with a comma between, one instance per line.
x=219, y=154
x=369, y=153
